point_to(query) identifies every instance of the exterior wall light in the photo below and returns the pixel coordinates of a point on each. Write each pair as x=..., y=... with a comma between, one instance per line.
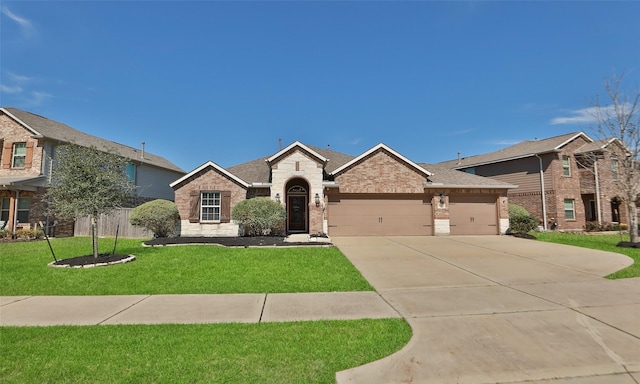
x=317, y=200
x=442, y=200
x=278, y=197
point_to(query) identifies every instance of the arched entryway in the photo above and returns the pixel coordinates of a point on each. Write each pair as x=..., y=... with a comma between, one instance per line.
x=297, y=198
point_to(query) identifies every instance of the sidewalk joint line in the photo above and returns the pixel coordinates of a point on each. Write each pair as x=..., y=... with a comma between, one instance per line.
x=124, y=309
x=264, y=303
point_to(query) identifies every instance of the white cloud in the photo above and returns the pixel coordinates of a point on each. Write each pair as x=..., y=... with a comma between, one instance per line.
x=38, y=97
x=580, y=116
x=25, y=25
x=459, y=133
x=10, y=89
x=19, y=78
x=503, y=143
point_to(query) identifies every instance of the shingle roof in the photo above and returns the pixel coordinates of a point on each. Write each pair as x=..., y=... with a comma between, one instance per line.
x=54, y=130
x=520, y=150
x=446, y=176
x=258, y=171
x=597, y=145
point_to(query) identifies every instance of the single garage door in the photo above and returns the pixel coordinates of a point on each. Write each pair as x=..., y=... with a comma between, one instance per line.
x=473, y=215
x=380, y=216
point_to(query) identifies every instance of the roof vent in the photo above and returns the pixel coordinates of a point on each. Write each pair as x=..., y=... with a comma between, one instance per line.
x=142, y=154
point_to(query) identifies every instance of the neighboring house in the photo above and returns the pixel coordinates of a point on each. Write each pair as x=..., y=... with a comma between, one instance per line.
x=29, y=143
x=379, y=192
x=576, y=173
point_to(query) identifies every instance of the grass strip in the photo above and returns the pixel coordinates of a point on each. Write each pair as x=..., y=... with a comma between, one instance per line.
x=301, y=352
x=196, y=269
x=601, y=242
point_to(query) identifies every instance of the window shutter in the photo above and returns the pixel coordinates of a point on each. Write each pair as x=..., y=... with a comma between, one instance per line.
x=6, y=154
x=28, y=161
x=225, y=206
x=194, y=207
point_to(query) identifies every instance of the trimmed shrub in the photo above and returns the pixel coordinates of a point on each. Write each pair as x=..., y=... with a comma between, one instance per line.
x=520, y=221
x=158, y=216
x=29, y=234
x=518, y=210
x=260, y=216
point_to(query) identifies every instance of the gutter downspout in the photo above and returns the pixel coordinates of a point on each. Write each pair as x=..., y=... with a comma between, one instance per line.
x=544, y=199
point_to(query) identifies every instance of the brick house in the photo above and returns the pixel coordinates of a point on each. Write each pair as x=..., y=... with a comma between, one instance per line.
x=576, y=173
x=29, y=143
x=379, y=192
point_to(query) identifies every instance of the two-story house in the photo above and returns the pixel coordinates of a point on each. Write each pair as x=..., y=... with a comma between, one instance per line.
x=29, y=143
x=565, y=181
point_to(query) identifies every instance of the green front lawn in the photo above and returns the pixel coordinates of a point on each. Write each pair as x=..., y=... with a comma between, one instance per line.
x=297, y=352
x=601, y=242
x=175, y=270
x=302, y=352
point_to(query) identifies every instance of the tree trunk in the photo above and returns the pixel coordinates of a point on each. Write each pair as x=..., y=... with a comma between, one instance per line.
x=633, y=221
x=94, y=235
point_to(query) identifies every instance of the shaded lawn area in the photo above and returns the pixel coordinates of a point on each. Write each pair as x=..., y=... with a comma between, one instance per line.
x=196, y=269
x=302, y=352
x=601, y=242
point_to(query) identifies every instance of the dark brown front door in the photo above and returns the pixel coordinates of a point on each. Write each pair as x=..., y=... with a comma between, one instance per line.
x=297, y=213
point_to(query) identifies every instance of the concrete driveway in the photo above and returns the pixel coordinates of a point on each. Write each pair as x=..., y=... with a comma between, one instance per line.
x=498, y=309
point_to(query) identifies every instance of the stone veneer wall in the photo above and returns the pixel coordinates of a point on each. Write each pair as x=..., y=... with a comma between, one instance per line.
x=298, y=164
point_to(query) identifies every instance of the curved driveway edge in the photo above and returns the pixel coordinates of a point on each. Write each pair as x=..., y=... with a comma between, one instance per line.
x=498, y=309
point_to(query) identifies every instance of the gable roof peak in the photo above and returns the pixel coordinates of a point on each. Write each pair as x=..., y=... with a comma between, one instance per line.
x=300, y=145
x=385, y=148
x=210, y=164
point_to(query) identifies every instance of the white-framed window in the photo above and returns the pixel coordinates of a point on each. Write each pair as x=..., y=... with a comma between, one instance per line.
x=19, y=155
x=210, y=206
x=569, y=209
x=614, y=167
x=566, y=166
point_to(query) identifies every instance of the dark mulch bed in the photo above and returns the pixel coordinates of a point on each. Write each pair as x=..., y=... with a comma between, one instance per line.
x=523, y=236
x=244, y=241
x=89, y=260
x=628, y=244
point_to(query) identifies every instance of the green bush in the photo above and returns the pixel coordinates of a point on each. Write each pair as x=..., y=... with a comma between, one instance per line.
x=518, y=210
x=520, y=221
x=158, y=216
x=29, y=234
x=260, y=216
x=5, y=233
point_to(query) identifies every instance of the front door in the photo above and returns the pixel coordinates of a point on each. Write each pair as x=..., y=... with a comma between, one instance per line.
x=297, y=213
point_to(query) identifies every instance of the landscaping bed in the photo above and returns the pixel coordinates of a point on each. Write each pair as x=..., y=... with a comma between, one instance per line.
x=240, y=241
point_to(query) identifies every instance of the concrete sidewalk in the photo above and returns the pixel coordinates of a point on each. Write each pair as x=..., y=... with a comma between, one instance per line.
x=191, y=309
x=501, y=310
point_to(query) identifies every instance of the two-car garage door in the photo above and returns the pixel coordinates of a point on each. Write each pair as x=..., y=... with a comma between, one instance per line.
x=407, y=215
x=380, y=216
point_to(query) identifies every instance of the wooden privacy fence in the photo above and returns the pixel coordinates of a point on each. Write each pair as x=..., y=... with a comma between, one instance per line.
x=108, y=224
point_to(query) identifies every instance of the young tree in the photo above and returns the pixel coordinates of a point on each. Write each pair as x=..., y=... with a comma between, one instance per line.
x=87, y=182
x=619, y=119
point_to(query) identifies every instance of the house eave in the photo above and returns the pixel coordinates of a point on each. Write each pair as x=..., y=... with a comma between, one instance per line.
x=457, y=167
x=474, y=186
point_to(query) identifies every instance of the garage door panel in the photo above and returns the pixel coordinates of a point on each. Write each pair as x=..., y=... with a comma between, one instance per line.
x=381, y=217
x=473, y=215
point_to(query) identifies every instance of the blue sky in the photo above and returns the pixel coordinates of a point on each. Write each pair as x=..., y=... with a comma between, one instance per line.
x=224, y=81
